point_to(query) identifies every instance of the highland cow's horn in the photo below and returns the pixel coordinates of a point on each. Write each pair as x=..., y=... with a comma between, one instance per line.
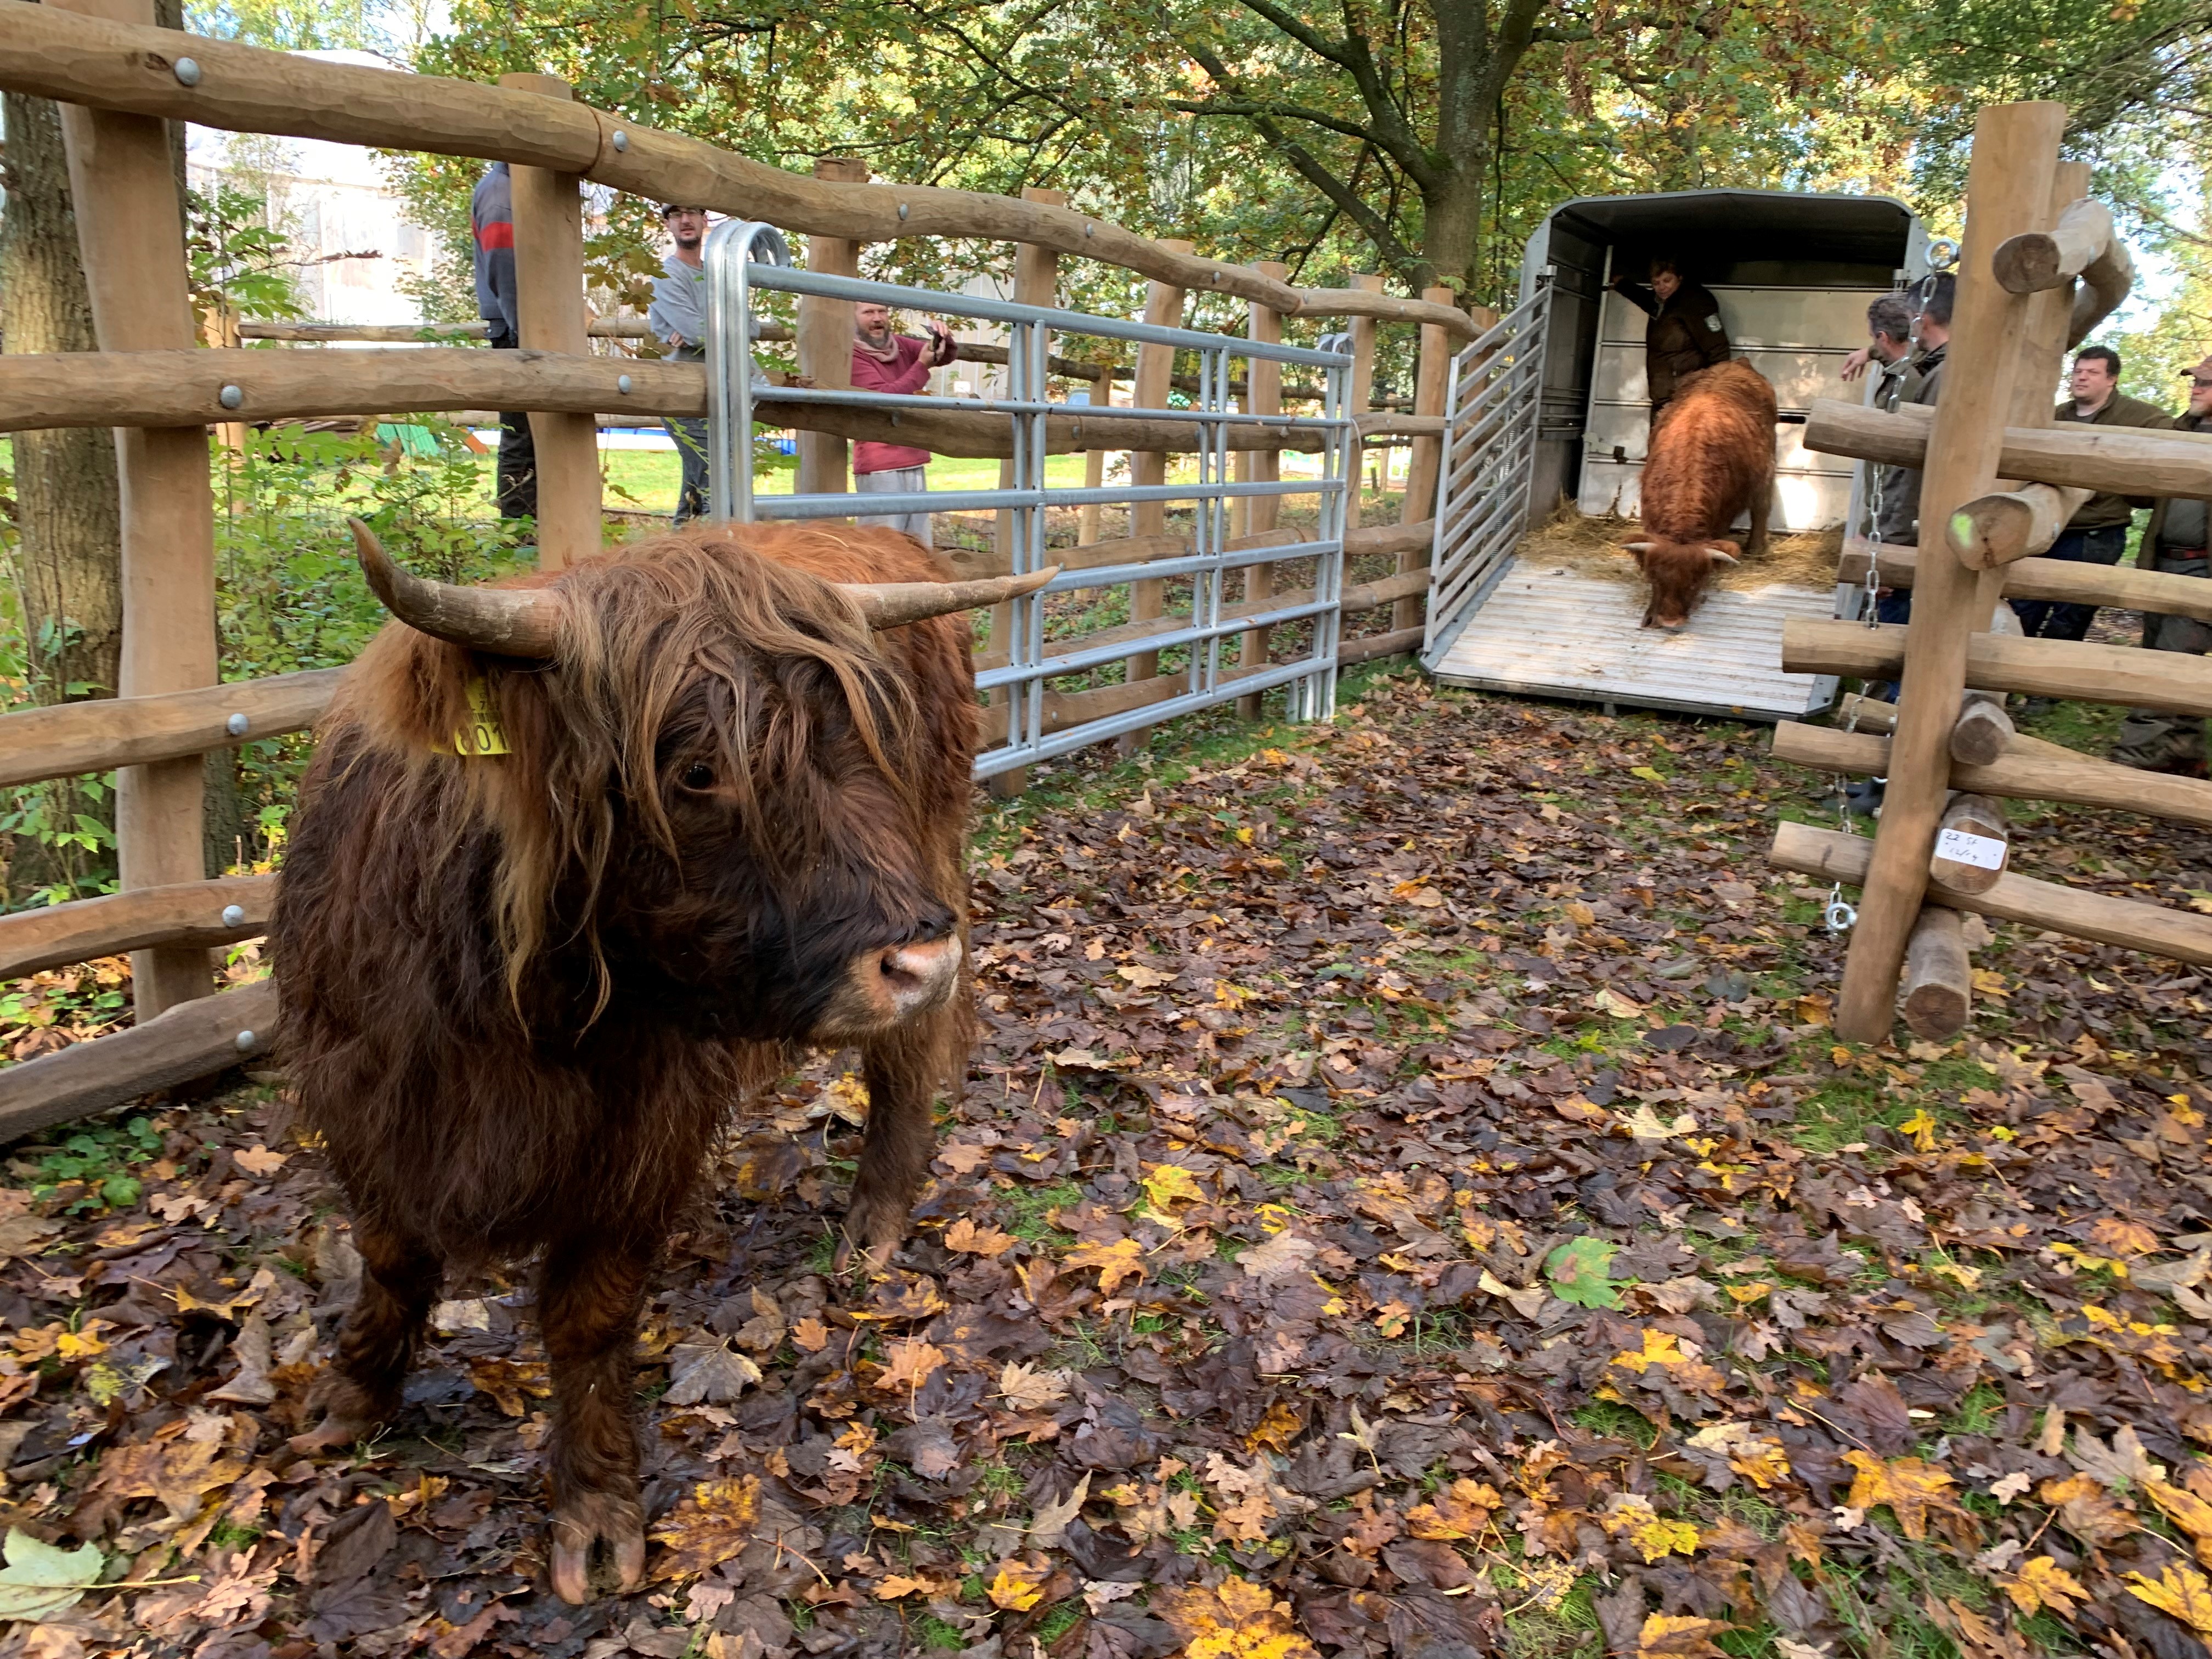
x=893, y=605
x=508, y=622
x=1639, y=547
x=1722, y=555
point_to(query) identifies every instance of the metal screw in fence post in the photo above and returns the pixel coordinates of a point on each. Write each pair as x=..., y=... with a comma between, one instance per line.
x=187, y=72
x=902, y=210
x=247, y=1042
x=237, y=726
x=231, y=397
x=233, y=915
x=621, y=385
x=621, y=141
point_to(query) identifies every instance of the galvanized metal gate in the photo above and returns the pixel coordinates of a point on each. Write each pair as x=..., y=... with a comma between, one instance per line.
x=744, y=258
x=1490, y=440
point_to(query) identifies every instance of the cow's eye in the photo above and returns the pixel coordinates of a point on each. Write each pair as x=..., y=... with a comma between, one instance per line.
x=699, y=775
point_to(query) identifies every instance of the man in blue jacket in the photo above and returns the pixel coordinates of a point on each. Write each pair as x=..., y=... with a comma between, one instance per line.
x=491, y=213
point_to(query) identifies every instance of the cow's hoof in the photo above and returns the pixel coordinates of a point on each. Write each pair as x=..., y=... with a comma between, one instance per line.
x=338, y=1430
x=577, y=1527
x=877, y=1257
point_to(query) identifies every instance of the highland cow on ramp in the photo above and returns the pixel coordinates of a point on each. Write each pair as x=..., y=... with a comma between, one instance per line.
x=1712, y=457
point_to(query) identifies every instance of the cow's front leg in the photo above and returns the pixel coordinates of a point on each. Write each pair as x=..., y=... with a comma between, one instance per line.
x=399, y=1278
x=903, y=1069
x=589, y=1292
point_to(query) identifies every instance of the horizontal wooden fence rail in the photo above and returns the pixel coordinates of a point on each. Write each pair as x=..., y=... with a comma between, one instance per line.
x=73, y=737
x=192, y=1040
x=218, y=912
x=1831, y=855
x=238, y=89
x=2165, y=680
x=203, y=387
x=2026, y=775
x=2069, y=580
x=2122, y=460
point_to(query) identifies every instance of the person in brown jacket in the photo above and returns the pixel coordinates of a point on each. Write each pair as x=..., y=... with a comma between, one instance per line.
x=1686, y=332
x=2174, y=543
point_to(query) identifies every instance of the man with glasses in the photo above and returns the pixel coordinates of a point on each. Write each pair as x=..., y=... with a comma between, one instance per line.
x=2174, y=543
x=678, y=315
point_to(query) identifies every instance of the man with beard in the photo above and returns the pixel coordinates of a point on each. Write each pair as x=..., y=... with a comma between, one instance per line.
x=2174, y=542
x=678, y=315
x=1685, y=334
x=885, y=362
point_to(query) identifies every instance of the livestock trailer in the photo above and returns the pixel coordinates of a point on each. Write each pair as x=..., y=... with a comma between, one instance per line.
x=1549, y=410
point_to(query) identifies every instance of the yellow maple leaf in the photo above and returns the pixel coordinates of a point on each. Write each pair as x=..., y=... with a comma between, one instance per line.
x=1922, y=1127
x=1659, y=1537
x=2187, y=1511
x=1277, y=1429
x=908, y=1363
x=894, y=1587
x=1018, y=1586
x=1462, y=1512
x=1908, y=1486
x=1677, y=1635
x=716, y=1523
x=2184, y=1592
x=1122, y=1259
x=965, y=1235
x=1659, y=1348
x=2122, y=1238
x=1762, y=1462
x=1233, y=1620
x=1167, y=1185
x=2042, y=1582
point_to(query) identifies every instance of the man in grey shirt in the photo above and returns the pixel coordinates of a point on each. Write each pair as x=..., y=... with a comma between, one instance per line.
x=678, y=315
x=2174, y=543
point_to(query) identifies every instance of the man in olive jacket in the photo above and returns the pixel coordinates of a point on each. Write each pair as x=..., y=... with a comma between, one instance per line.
x=1685, y=334
x=2098, y=534
x=2174, y=543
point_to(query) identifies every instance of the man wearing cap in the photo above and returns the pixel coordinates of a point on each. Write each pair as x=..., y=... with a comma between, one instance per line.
x=678, y=315
x=2174, y=543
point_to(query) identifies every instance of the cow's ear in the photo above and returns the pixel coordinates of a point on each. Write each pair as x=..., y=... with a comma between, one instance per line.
x=1722, y=552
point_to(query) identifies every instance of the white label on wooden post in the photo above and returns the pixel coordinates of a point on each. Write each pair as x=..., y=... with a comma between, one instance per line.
x=1963, y=847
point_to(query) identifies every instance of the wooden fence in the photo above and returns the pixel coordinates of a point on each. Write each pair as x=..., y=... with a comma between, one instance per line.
x=2040, y=267
x=119, y=78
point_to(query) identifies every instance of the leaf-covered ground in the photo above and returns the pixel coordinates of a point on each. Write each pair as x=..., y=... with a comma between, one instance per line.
x=1407, y=1202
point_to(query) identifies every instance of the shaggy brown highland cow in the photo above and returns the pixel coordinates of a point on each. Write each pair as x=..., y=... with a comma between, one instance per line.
x=523, y=990
x=1712, y=457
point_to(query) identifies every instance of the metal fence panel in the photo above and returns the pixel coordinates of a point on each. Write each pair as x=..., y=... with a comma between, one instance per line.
x=744, y=258
x=1486, y=474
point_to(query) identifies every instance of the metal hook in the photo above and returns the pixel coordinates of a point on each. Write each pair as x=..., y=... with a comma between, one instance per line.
x=1840, y=916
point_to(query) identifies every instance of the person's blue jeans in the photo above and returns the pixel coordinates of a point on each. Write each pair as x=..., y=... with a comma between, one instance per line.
x=2047, y=619
x=1891, y=604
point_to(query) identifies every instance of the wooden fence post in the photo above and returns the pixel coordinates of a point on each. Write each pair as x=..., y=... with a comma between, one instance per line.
x=549, y=282
x=1362, y=396
x=1155, y=376
x=825, y=338
x=1430, y=383
x=1263, y=396
x=131, y=233
x=2007, y=191
x=1036, y=282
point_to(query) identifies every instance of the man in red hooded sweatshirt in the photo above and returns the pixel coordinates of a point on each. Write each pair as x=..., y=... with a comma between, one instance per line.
x=885, y=362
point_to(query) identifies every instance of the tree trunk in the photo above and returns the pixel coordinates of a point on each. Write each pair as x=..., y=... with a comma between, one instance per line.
x=68, y=564
x=68, y=570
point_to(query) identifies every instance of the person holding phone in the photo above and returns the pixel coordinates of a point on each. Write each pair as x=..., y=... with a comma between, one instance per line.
x=885, y=362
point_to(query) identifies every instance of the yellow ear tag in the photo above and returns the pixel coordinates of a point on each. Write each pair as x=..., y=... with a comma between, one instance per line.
x=483, y=735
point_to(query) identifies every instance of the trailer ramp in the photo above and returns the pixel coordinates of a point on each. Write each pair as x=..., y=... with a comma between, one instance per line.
x=1561, y=633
